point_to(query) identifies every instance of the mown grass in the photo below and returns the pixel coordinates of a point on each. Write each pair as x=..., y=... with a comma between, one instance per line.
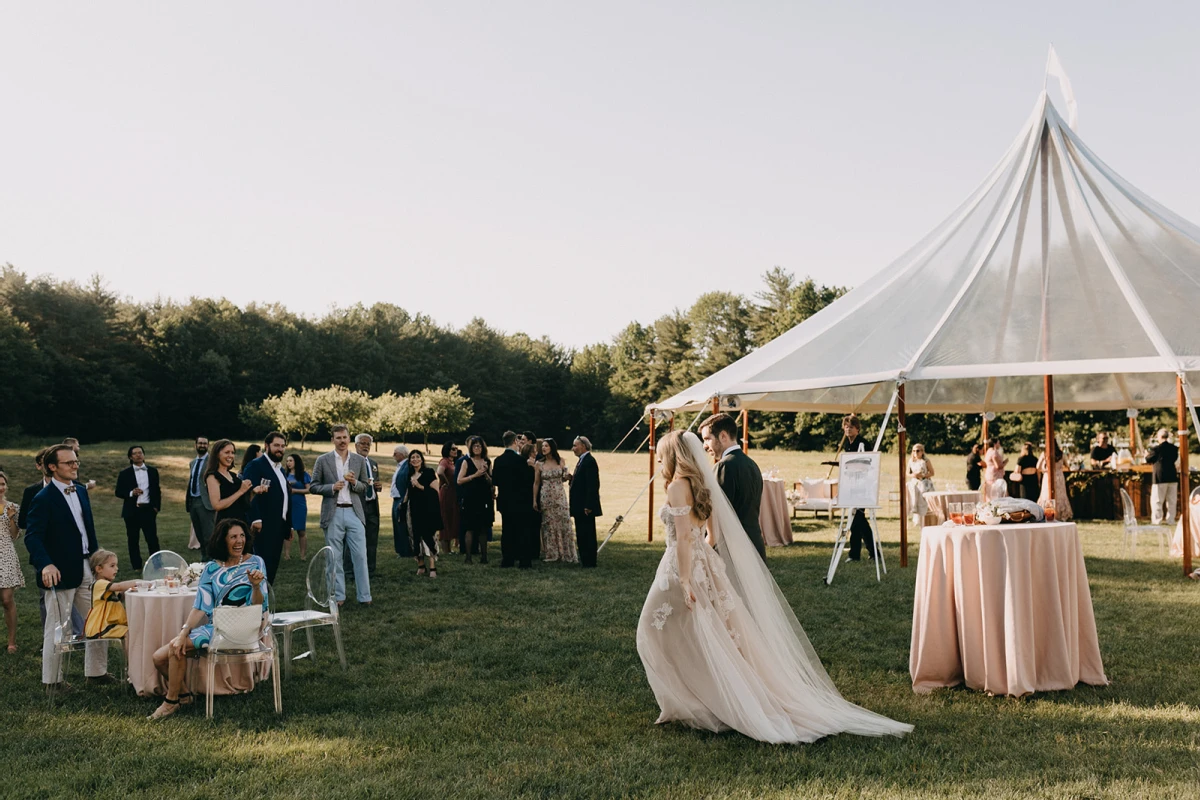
x=498, y=683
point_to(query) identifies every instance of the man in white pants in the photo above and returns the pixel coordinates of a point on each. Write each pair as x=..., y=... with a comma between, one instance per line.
x=60, y=536
x=340, y=477
x=1165, y=489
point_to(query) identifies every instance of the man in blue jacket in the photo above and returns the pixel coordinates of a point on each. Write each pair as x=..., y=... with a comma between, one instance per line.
x=270, y=507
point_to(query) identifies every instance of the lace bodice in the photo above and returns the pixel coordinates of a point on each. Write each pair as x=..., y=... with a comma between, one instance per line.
x=669, y=515
x=708, y=581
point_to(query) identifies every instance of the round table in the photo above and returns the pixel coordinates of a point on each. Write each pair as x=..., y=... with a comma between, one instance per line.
x=939, y=502
x=773, y=515
x=154, y=619
x=1005, y=609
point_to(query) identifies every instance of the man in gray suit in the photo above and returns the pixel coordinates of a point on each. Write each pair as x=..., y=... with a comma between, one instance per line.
x=196, y=500
x=362, y=446
x=340, y=477
x=739, y=476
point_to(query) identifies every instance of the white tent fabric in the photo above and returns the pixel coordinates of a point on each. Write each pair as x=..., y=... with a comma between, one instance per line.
x=1055, y=265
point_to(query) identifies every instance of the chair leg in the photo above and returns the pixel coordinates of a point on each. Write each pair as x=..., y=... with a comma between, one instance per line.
x=312, y=644
x=212, y=679
x=287, y=653
x=275, y=682
x=337, y=636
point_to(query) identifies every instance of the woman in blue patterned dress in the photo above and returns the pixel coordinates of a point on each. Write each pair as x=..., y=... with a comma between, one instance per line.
x=232, y=578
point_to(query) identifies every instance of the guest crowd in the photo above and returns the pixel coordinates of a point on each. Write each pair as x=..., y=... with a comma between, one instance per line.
x=244, y=521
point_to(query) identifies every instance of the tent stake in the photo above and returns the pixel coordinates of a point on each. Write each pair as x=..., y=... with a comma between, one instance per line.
x=1185, y=506
x=901, y=419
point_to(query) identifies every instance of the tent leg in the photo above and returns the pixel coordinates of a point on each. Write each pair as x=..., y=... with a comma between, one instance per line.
x=650, y=515
x=901, y=419
x=984, y=434
x=1051, y=463
x=745, y=430
x=1185, y=505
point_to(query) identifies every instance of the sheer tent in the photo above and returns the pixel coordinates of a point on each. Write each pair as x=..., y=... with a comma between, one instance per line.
x=1057, y=283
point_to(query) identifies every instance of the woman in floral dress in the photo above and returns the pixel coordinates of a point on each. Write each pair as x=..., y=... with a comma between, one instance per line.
x=549, y=497
x=10, y=565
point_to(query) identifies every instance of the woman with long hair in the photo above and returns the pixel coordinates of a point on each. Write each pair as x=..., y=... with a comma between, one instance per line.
x=475, y=495
x=1062, y=503
x=11, y=576
x=252, y=452
x=720, y=645
x=424, y=510
x=448, y=495
x=920, y=481
x=226, y=493
x=1027, y=468
x=298, y=481
x=549, y=474
x=994, y=484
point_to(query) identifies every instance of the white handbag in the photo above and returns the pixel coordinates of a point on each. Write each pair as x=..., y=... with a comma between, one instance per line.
x=237, y=627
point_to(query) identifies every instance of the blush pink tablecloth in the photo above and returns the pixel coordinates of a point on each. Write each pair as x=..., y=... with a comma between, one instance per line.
x=153, y=620
x=938, y=502
x=773, y=515
x=1177, y=539
x=1005, y=609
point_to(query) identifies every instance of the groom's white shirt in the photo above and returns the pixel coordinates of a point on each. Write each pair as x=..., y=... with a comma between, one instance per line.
x=729, y=450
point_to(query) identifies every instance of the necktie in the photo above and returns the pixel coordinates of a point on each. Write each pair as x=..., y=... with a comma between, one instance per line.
x=370, y=483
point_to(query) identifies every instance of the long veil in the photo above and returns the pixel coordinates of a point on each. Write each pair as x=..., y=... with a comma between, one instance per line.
x=788, y=656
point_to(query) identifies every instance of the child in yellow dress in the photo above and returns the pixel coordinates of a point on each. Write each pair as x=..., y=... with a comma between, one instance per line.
x=107, y=618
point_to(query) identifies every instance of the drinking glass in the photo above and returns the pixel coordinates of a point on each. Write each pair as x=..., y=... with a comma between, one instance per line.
x=1050, y=514
x=956, y=515
x=968, y=513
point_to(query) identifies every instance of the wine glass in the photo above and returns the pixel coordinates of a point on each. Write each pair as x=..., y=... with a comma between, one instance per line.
x=956, y=515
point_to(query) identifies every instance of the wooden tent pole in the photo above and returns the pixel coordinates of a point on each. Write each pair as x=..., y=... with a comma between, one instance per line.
x=672, y=421
x=1048, y=384
x=716, y=405
x=1185, y=510
x=1133, y=437
x=650, y=516
x=985, y=430
x=745, y=430
x=901, y=419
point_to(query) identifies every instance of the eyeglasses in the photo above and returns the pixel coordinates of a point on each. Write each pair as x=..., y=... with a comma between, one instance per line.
x=74, y=463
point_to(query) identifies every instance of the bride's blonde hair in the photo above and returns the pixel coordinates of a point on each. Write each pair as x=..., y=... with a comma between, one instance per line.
x=678, y=464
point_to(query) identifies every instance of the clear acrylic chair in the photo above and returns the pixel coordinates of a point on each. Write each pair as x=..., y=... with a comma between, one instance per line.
x=319, y=609
x=156, y=565
x=231, y=644
x=1132, y=528
x=66, y=641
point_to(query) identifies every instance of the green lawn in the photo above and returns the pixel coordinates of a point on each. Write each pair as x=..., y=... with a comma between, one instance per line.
x=498, y=683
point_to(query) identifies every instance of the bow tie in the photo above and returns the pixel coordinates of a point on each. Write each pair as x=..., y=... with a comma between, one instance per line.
x=141, y=468
x=70, y=489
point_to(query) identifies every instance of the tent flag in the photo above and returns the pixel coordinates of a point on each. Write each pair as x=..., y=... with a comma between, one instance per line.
x=1054, y=69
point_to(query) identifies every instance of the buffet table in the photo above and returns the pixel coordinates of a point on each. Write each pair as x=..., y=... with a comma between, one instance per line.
x=1005, y=609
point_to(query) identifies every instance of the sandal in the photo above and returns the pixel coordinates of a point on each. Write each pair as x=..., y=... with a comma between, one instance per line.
x=167, y=708
x=421, y=571
x=433, y=573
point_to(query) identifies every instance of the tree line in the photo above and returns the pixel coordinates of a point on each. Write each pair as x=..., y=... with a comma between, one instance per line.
x=79, y=360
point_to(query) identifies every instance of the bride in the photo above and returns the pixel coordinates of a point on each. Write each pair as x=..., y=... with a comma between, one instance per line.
x=720, y=644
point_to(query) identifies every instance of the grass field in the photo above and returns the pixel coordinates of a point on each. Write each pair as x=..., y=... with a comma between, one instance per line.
x=499, y=683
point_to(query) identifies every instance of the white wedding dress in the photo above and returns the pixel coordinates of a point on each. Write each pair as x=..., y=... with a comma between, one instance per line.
x=738, y=658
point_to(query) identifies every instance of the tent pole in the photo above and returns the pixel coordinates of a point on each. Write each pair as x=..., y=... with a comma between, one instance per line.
x=1048, y=384
x=650, y=516
x=745, y=430
x=716, y=405
x=1185, y=506
x=672, y=421
x=901, y=419
x=985, y=429
x=1133, y=437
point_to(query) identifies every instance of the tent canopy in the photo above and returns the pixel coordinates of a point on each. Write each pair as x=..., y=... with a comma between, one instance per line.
x=1055, y=265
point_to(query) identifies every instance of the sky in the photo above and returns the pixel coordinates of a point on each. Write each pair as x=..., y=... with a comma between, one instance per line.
x=557, y=168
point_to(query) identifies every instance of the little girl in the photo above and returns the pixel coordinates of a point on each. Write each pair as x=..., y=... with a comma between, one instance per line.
x=107, y=618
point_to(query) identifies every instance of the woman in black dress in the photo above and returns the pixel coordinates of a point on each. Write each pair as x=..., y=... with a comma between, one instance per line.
x=475, y=495
x=1027, y=466
x=424, y=511
x=228, y=495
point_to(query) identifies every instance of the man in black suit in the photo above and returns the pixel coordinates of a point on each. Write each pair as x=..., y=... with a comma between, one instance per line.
x=514, y=501
x=138, y=487
x=270, y=507
x=60, y=537
x=860, y=529
x=362, y=446
x=585, y=500
x=739, y=476
x=195, y=501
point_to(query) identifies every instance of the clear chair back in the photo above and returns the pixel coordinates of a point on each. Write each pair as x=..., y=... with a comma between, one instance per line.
x=320, y=578
x=1127, y=508
x=156, y=565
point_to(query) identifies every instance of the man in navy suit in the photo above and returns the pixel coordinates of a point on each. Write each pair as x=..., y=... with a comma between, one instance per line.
x=138, y=487
x=585, y=501
x=60, y=537
x=270, y=512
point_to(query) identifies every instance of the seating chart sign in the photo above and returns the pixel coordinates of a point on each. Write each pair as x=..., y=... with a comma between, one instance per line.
x=858, y=480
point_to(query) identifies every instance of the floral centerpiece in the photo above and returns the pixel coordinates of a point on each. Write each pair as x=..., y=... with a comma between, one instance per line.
x=194, y=569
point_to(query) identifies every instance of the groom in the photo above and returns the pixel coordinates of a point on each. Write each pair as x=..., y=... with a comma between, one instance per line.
x=739, y=476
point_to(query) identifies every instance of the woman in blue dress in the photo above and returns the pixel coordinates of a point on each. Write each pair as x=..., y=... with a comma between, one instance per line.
x=298, y=481
x=232, y=578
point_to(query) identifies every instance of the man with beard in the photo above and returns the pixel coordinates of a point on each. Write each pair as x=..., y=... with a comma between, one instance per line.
x=270, y=512
x=196, y=500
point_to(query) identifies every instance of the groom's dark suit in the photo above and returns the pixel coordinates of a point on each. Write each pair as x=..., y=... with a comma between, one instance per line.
x=741, y=480
x=513, y=479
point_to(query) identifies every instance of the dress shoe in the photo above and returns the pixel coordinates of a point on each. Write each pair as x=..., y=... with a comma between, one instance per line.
x=59, y=688
x=101, y=680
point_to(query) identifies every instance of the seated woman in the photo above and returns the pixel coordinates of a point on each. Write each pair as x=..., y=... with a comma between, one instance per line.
x=232, y=578
x=920, y=474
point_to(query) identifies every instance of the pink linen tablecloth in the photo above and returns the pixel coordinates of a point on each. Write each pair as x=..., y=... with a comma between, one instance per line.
x=154, y=619
x=1005, y=609
x=773, y=515
x=1177, y=539
x=939, y=502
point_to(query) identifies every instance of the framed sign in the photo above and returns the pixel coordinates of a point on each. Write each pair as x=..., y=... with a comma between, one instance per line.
x=858, y=480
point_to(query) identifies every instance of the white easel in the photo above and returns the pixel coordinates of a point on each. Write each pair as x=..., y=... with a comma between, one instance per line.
x=858, y=490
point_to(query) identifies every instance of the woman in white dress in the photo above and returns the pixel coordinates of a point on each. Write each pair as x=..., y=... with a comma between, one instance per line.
x=720, y=645
x=920, y=475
